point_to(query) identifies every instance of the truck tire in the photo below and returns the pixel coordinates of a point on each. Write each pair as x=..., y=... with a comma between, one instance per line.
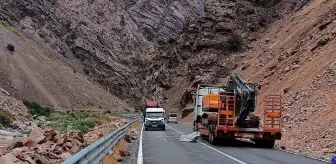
x=164, y=128
x=146, y=129
x=269, y=144
x=212, y=137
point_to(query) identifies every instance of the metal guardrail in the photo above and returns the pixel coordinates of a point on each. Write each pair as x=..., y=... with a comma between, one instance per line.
x=95, y=153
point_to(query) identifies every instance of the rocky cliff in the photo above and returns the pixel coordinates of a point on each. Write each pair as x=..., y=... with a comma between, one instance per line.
x=103, y=39
x=136, y=49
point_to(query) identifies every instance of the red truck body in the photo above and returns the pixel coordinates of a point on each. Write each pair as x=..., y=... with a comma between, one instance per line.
x=151, y=103
x=221, y=124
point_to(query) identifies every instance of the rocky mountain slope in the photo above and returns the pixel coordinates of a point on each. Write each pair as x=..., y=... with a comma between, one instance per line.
x=296, y=58
x=33, y=72
x=136, y=49
x=103, y=39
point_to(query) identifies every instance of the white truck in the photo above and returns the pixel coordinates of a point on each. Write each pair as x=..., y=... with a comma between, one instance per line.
x=155, y=118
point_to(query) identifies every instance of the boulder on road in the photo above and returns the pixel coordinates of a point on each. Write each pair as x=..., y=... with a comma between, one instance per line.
x=192, y=137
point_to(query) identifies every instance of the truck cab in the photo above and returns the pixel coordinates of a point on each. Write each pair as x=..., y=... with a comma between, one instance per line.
x=155, y=118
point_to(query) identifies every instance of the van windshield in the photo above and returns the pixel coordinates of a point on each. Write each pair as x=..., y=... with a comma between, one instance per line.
x=172, y=115
x=154, y=114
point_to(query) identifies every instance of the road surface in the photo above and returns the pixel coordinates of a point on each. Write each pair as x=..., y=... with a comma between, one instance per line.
x=164, y=147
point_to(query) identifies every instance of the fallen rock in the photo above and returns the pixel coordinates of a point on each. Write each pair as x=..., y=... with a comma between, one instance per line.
x=36, y=133
x=41, y=159
x=28, y=142
x=124, y=153
x=128, y=139
x=18, y=152
x=29, y=159
x=133, y=137
x=192, y=137
x=17, y=144
x=286, y=90
x=49, y=134
x=2, y=150
x=118, y=158
x=74, y=148
x=9, y=158
x=65, y=155
x=11, y=47
x=68, y=144
x=40, y=140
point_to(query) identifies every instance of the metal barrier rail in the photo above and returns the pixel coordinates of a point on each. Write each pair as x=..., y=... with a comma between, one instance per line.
x=95, y=153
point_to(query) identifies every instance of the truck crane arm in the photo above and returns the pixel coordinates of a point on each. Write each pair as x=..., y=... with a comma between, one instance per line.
x=246, y=97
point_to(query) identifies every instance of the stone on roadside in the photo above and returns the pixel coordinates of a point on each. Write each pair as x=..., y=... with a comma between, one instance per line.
x=2, y=150
x=65, y=155
x=128, y=139
x=124, y=153
x=42, y=159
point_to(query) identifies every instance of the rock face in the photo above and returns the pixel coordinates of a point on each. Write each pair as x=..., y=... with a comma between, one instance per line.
x=115, y=42
x=104, y=39
x=165, y=19
x=205, y=50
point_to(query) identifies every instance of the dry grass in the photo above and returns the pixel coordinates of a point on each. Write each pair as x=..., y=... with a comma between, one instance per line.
x=9, y=28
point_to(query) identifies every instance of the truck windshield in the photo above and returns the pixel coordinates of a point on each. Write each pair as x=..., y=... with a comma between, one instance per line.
x=154, y=114
x=172, y=115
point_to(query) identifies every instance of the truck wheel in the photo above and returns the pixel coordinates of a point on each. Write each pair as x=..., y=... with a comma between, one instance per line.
x=146, y=129
x=164, y=128
x=265, y=143
x=212, y=138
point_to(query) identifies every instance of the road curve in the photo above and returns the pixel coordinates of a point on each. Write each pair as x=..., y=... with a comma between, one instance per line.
x=164, y=147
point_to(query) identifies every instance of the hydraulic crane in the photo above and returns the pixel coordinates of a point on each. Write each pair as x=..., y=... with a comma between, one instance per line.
x=224, y=112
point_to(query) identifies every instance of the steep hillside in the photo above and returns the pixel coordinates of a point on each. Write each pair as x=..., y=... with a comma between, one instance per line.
x=206, y=50
x=34, y=73
x=296, y=58
x=103, y=39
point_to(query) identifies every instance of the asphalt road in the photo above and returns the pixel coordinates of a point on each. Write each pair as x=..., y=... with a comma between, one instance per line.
x=164, y=147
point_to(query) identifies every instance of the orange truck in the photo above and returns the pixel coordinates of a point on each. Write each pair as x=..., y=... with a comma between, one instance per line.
x=225, y=112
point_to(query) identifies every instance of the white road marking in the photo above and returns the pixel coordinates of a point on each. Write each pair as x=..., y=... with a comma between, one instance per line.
x=229, y=156
x=140, y=155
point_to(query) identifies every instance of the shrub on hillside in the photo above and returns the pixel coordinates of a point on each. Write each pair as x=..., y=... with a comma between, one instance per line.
x=5, y=118
x=77, y=120
x=36, y=109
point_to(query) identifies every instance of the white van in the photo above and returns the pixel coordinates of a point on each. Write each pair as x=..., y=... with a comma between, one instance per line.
x=172, y=117
x=155, y=118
